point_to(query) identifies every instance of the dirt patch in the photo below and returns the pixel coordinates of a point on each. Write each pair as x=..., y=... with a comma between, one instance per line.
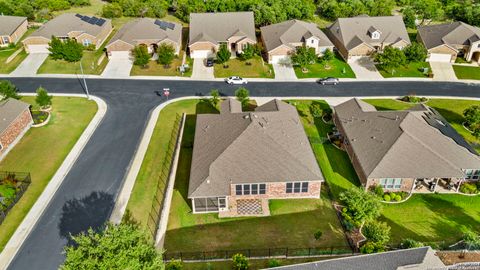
x=453, y=257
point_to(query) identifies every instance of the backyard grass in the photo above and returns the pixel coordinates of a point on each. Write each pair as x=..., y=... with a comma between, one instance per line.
x=336, y=68
x=5, y=67
x=467, y=73
x=237, y=67
x=413, y=69
x=42, y=150
x=95, y=8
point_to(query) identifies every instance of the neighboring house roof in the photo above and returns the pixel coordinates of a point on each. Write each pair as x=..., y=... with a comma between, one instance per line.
x=413, y=259
x=354, y=31
x=148, y=29
x=10, y=109
x=218, y=27
x=8, y=24
x=291, y=33
x=456, y=33
x=62, y=25
x=267, y=145
x=416, y=143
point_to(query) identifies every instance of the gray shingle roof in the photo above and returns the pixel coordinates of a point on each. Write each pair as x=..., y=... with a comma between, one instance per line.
x=10, y=109
x=145, y=28
x=8, y=24
x=66, y=23
x=268, y=145
x=414, y=259
x=456, y=33
x=354, y=31
x=417, y=143
x=292, y=31
x=218, y=27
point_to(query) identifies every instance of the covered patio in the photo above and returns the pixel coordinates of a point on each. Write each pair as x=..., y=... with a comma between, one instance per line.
x=438, y=185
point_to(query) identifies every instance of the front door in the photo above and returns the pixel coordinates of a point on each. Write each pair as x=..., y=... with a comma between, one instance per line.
x=222, y=204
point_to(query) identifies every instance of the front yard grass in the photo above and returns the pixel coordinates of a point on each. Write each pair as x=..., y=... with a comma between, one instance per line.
x=337, y=67
x=89, y=62
x=155, y=69
x=413, y=69
x=237, y=67
x=5, y=67
x=42, y=150
x=466, y=72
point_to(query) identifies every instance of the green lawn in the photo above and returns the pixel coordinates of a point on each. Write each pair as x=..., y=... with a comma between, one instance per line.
x=89, y=61
x=451, y=109
x=95, y=8
x=334, y=163
x=42, y=150
x=5, y=67
x=155, y=69
x=237, y=67
x=410, y=70
x=467, y=73
x=336, y=68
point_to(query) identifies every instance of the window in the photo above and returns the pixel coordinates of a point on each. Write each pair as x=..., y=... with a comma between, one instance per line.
x=254, y=189
x=5, y=40
x=305, y=187
x=472, y=174
x=222, y=203
x=398, y=183
x=246, y=189
x=86, y=42
x=391, y=183
x=238, y=190
x=313, y=41
x=263, y=188
x=289, y=188
x=250, y=189
x=296, y=187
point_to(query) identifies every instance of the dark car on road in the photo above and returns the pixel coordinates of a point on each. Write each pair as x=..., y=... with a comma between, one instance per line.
x=209, y=62
x=328, y=80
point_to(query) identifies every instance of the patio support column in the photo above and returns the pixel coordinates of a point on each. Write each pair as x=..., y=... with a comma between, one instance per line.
x=193, y=206
x=413, y=186
x=436, y=184
x=459, y=183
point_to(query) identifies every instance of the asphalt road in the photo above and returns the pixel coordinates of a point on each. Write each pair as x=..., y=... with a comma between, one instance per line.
x=86, y=197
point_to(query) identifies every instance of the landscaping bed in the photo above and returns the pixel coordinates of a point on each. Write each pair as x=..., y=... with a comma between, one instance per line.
x=466, y=72
x=40, y=117
x=12, y=187
x=337, y=67
x=236, y=67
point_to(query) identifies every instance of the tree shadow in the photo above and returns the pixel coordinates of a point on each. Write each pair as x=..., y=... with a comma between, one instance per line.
x=78, y=215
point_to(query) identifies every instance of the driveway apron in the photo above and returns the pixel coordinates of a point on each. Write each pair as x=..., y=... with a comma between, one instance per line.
x=364, y=68
x=443, y=71
x=30, y=65
x=284, y=72
x=200, y=71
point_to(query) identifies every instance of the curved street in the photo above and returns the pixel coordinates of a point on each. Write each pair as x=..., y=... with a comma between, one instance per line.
x=87, y=195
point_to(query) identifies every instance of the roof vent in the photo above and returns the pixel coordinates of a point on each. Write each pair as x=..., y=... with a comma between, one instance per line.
x=354, y=140
x=246, y=116
x=373, y=137
x=397, y=117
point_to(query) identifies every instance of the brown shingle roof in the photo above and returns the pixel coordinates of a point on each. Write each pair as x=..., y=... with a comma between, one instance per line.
x=417, y=143
x=8, y=24
x=268, y=145
x=10, y=109
x=456, y=33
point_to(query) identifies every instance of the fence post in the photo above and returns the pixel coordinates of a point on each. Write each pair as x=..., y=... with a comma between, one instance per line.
x=248, y=253
x=331, y=250
x=269, y=253
x=309, y=252
x=226, y=254
x=286, y=252
x=204, y=256
x=181, y=256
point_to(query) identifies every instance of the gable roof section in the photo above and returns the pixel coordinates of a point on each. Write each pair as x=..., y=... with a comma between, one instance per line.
x=146, y=29
x=218, y=27
x=268, y=145
x=10, y=109
x=352, y=32
x=8, y=24
x=292, y=31
x=69, y=22
x=417, y=143
x=456, y=33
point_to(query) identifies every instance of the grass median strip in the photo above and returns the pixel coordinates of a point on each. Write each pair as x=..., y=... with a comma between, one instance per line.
x=41, y=152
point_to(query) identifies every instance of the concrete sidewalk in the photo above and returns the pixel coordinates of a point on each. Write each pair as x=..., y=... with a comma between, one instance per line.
x=40, y=205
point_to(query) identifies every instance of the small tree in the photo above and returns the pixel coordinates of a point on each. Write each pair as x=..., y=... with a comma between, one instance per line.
x=72, y=51
x=166, y=54
x=304, y=56
x=376, y=231
x=56, y=48
x=318, y=235
x=174, y=265
x=371, y=247
x=223, y=54
x=240, y=262
x=215, y=99
x=409, y=17
x=391, y=58
x=243, y=96
x=43, y=99
x=328, y=55
x=472, y=117
x=415, y=52
x=248, y=52
x=8, y=90
x=471, y=240
x=141, y=55
x=360, y=206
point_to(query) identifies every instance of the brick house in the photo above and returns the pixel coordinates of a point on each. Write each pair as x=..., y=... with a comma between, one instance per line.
x=12, y=29
x=242, y=159
x=15, y=120
x=414, y=150
x=84, y=29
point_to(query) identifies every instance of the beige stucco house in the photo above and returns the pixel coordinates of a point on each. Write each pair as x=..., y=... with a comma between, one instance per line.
x=242, y=159
x=364, y=35
x=209, y=30
x=12, y=28
x=282, y=39
x=145, y=31
x=84, y=29
x=444, y=42
x=15, y=120
x=414, y=150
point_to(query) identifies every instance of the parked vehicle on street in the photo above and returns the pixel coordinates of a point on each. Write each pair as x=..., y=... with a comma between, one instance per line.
x=236, y=80
x=209, y=62
x=328, y=80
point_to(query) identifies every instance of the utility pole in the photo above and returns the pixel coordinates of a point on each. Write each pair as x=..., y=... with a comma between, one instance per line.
x=84, y=81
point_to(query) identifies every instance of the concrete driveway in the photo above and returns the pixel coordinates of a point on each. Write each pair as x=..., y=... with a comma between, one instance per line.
x=118, y=67
x=284, y=72
x=364, y=68
x=200, y=71
x=30, y=65
x=443, y=71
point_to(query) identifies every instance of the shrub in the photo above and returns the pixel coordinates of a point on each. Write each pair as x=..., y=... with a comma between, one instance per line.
x=410, y=243
x=223, y=54
x=72, y=51
x=371, y=247
x=378, y=190
x=376, y=231
x=174, y=265
x=215, y=99
x=468, y=188
x=166, y=54
x=240, y=262
x=273, y=263
x=361, y=205
x=398, y=197
x=316, y=110
x=415, y=52
x=318, y=235
x=141, y=55
x=386, y=197
x=242, y=95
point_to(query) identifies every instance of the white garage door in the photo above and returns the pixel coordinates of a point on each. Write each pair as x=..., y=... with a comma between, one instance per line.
x=439, y=57
x=38, y=49
x=281, y=59
x=201, y=54
x=119, y=55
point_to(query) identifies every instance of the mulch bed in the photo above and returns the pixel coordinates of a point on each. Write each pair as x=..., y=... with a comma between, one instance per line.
x=39, y=116
x=453, y=257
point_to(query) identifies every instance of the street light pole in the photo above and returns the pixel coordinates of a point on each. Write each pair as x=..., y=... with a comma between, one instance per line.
x=84, y=81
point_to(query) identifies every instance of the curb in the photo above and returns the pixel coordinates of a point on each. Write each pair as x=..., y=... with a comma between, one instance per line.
x=23, y=230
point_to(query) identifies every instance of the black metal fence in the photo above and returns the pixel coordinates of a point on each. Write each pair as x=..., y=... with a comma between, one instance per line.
x=259, y=253
x=21, y=180
x=159, y=197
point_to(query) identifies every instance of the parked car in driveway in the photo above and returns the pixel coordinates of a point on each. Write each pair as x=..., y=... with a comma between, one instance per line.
x=209, y=62
x=328, y=80
x=236, y=80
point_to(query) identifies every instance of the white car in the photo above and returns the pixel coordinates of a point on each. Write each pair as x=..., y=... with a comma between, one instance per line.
x=236, y=80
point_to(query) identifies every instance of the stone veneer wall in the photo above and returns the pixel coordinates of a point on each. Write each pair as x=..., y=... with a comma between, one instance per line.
x=277, y=190
x=24, y=120
x=407, y=184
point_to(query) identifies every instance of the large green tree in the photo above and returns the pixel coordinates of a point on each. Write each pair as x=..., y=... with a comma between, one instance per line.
x=141, y=55
x=72, y=51
x=360, y=206
x=391, y=58
x=223, y=54
x=304, y=56
x=56, y=48
x=415, y=52
x=166, y=54
x=8, y=90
